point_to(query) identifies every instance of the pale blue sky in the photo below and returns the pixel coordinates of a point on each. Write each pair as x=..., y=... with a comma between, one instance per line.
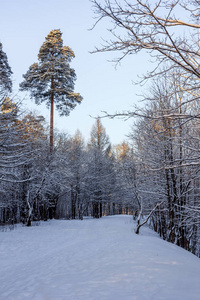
x=24, y=24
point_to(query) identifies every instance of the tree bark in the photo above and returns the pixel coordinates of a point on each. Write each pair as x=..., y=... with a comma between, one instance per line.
x=30, y=209
x=153, y=210
x=51, y=116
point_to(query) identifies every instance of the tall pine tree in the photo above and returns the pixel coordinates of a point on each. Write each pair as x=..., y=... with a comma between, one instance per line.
x=5, y=73
x=52, y=79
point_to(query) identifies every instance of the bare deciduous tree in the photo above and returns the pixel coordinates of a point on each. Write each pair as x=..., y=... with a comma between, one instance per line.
x=154, y=26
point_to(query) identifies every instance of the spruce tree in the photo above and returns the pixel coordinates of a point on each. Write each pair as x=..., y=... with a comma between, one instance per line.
x=5, y=73
x=52, y=79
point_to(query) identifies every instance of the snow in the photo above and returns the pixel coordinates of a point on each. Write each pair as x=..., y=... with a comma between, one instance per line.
x=94, y=259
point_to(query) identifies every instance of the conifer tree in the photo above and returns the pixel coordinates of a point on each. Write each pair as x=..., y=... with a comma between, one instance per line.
x=52, y=79
x=100, y=171
x=99, y=139
x=5, y=72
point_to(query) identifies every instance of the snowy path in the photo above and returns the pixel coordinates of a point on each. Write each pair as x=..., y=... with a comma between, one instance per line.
x=94, y=260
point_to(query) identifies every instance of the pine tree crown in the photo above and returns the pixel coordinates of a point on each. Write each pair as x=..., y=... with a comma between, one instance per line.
x=5, y=72
x=52, y=75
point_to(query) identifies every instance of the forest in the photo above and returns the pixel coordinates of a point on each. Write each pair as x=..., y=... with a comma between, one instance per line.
x=155, y=175
x=44, y=174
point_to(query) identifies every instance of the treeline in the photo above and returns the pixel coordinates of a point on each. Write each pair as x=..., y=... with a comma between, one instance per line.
x=161, y=169
x=166, y=134
x=156, y=177
x=166, y=149
x=67, y=179
x=72, y=181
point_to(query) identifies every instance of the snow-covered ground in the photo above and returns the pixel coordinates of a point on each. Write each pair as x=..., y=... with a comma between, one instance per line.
x=94, y=260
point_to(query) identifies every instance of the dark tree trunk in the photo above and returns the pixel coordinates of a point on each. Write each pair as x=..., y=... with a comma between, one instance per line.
x=51, y=116
x=100, y=209
x=95, y=210
x=73, y=204
x=113, y=208
x=28, y=224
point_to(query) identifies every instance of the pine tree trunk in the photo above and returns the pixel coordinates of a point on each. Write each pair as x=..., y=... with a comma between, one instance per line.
x=51, y=116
